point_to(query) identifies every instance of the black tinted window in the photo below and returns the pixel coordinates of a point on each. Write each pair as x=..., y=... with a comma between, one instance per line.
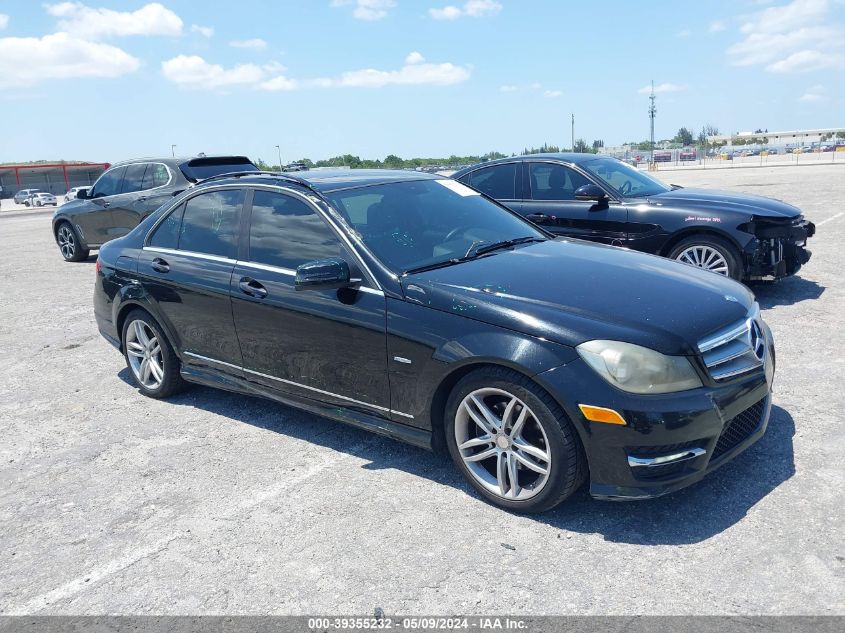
x=133, y=178
x=109, y=183
x=156, y=176
x=497, y=182
x=554, y=182
x=210, y=223
x=286, y=232
x=167, y=233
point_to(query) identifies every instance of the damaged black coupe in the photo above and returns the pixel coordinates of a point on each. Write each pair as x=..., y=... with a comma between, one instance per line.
x=601, y=199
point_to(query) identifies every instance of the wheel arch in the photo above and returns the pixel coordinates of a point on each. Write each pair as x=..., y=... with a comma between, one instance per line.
x=127, y=306
x=686, y=232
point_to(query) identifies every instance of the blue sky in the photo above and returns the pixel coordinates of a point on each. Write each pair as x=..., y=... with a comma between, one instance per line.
x=106, y=81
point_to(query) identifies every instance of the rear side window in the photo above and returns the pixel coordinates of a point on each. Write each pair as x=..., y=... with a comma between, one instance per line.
x=134, y=178
x=167, y=233
x=498, y=181
x=286, y=232
x=156, y=176
x=210, y=223
x=554, y=182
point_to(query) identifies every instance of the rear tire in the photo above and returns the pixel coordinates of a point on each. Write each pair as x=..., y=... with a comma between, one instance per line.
x=709, y=252
x=149, y=356
x=512, y=441
x=69, y=244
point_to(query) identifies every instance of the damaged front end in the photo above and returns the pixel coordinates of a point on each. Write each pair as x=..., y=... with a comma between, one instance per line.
x=779, y=247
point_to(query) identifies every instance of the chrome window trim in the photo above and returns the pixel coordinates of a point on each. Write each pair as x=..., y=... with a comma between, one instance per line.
x=175, y=251
x=299, y=384
x=137, y=162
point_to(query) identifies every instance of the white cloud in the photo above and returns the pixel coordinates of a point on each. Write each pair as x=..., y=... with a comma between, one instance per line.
x=28, y=60
x=683, y=34
x=552, y=94
x=255, y=43
x=192, y=71
x=814, y=94
x=414, y=58
x=4, y=20
x=369, y=10
x=801, y=36
x=717, y=26
x=86, y=22
x=471, y=8
x=662, y=88
x=205, y=31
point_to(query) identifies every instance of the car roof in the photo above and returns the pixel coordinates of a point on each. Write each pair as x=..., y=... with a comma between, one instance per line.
x=565, y=157
x=328, y=180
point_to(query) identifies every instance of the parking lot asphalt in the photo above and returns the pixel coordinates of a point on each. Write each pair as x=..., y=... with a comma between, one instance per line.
x=214, y=503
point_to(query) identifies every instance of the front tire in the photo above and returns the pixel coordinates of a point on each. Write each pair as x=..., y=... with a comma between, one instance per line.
x=711, y=253
x=512, y=441
x=69, y=245
x=151, y=360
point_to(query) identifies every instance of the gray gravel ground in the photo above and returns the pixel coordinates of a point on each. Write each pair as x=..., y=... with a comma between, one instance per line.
x=213, y=503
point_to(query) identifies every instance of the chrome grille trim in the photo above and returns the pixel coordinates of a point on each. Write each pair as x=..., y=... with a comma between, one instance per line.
x=730, y=352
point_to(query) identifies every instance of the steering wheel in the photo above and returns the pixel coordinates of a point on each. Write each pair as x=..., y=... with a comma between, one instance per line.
x=454, y=232
x=625, y=188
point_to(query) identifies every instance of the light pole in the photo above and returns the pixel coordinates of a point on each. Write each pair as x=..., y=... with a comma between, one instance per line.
x=573, y=131
x=652, y=111
x=173, y=151
x=278, y=149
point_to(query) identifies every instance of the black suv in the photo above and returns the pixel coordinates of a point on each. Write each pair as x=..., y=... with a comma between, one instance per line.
x=127, y=193
x=412, y=306
x=601, y=199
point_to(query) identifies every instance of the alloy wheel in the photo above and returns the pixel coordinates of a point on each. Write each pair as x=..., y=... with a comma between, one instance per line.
x=67, y=243
x=145, y=354
x=502, y=444
x=705, y=257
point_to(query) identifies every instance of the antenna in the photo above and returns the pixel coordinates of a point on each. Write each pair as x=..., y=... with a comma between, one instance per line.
x=652, y=110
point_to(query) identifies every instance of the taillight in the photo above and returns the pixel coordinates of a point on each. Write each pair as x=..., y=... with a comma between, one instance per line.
x=97, y=266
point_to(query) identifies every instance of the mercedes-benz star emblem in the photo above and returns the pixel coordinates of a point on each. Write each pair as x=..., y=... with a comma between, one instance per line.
x=756, y=340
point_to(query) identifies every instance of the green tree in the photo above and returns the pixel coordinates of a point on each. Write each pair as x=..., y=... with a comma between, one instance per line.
x=684, y=137
x=581, y=147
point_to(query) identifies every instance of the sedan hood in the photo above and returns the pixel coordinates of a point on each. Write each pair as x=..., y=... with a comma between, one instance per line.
x=709, y=200
x=569, y=291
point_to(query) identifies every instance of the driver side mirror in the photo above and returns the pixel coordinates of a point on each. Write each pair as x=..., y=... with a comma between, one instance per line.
x=321, y=274
x=590, y=192
x=83, y=194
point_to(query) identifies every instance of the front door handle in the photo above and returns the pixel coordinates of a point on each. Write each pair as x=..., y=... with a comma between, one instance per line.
x=251, y=287
x=160, y=266
x=537, y=217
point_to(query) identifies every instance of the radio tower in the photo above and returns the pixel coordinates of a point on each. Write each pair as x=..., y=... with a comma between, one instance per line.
x=652, y=110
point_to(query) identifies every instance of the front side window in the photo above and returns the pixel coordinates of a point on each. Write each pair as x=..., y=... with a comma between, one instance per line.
x=210, y=223
x=415, y=224
x=133, y=178
x=109, y=183
x=626, y=181
x=550, y=181
x=286, y=232
x=498, y=181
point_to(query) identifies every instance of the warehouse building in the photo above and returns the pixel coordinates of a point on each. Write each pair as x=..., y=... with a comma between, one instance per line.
x=56, y=178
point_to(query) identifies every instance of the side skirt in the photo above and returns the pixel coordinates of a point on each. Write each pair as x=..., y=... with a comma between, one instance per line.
x=366, y=421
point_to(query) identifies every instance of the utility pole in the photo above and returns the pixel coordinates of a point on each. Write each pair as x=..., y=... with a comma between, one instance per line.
x=652, y=110
x=278, y=149
x=573, y=131
x=173, y=151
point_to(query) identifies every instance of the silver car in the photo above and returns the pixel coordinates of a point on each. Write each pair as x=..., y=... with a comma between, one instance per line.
x=25, y=194
x=71, y=194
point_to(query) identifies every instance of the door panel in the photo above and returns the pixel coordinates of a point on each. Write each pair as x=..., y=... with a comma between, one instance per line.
x=143, y=192
x=553, y=206
x=95, y=219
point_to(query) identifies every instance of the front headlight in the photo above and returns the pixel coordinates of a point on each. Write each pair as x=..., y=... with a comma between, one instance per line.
x=638, y=369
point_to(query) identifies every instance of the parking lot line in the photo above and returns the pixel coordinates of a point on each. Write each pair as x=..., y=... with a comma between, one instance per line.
x=838, y=215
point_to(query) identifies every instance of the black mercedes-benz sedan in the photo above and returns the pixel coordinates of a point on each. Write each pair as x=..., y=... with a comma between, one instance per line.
x=604, y=200
x=128, y=192
x=410, y=305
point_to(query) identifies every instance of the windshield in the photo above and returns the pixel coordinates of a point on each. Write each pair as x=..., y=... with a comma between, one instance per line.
x=410, y=225
x=627, y=181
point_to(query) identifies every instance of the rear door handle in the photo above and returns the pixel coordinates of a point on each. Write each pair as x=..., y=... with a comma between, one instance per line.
x=141, y=199
x=537, y=217
x=251, y=287
x=160, y=266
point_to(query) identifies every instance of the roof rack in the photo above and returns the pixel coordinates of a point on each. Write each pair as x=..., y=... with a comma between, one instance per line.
x=276, y=174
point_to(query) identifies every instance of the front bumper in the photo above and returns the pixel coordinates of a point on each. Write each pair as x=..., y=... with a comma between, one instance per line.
x=702, y=429
x=779, y=249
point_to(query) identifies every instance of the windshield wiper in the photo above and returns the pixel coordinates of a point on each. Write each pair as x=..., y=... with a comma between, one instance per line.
x=478, y=249
x=435, y=266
